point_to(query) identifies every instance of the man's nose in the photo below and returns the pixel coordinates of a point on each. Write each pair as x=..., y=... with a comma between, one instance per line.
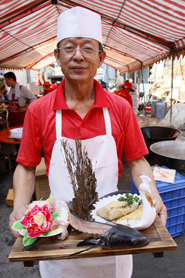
x=78, y=53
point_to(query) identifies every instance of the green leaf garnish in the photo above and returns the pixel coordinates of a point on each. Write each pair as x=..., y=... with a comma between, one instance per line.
x=28, y=240
x=47, y=233
x=129, y=198
x=54, y=215
x=17, y=226
x=51, y=197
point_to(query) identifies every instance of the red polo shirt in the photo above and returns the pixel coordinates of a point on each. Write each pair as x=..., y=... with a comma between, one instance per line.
x=39, y=132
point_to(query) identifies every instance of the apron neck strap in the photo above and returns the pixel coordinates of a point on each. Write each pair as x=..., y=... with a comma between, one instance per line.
x=107, y=121
x=59, y=122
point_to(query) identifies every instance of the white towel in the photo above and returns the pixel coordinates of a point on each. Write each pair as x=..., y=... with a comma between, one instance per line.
x=15, y=90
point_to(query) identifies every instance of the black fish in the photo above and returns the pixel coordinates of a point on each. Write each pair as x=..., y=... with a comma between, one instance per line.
x=119, y=236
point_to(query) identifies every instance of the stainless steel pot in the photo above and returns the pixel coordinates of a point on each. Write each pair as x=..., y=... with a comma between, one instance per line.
x=170, y=154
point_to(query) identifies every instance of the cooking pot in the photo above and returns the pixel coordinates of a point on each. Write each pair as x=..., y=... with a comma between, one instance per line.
x=170, y=154
x=153, y=134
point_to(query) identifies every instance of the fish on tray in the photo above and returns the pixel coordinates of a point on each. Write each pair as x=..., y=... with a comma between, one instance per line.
x=110, y=235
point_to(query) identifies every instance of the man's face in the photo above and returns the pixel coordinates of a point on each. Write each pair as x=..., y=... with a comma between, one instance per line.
x=128, y=90
x=8, y=81
x=79, y=66
x=47, y=86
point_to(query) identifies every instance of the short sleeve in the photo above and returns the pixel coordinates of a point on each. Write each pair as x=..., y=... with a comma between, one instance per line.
x=31, y=144
x=134, y=143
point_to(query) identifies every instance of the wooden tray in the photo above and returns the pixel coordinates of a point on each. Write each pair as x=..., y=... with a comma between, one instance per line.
x=50, y=248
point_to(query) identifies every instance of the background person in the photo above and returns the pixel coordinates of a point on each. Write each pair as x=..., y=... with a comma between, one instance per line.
x=3, y=90
x=46, y=88
x=106, y=125
x=18, y=95
x=2, y=98
x=53, y=85
x=124, y=91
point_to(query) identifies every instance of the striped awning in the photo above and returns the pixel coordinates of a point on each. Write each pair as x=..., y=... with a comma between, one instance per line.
x=136, y=33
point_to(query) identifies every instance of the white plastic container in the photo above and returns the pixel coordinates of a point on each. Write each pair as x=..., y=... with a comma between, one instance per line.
x=16, y=133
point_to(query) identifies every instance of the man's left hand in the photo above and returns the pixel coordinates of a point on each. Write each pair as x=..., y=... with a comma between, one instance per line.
x=160, y=208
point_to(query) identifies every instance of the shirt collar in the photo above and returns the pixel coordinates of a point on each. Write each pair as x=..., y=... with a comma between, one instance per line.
x=100, y=98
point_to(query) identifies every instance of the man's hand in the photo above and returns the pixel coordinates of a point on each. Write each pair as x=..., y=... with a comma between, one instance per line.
x=140, y=167
x=160, y=208
x=17, y=214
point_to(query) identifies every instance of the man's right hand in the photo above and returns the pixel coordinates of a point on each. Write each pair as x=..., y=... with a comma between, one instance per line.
x=17, y=214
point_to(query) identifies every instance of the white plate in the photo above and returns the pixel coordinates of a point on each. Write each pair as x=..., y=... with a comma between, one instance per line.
x=17, y=130
x=16, y=133
x=53, y=233
x=103, y=202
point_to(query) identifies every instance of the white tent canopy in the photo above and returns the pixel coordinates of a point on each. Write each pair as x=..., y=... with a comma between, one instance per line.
x=135, y=33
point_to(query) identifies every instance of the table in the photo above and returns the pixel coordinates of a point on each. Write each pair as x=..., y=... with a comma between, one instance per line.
x=51, y=248
x=5, y=134
x=5, y=138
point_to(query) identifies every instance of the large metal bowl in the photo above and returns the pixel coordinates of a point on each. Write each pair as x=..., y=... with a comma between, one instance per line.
x=170, y=154
x=159, y=133
x=153, y=134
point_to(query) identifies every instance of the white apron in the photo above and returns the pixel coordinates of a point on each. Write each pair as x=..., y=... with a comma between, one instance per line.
x=103, y=154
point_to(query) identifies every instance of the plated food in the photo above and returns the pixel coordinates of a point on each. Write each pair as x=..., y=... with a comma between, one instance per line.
x=135, y=215
x=136, y=211
x=116, y=207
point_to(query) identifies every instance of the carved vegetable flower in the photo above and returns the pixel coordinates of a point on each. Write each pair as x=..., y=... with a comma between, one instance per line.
x=37, y=221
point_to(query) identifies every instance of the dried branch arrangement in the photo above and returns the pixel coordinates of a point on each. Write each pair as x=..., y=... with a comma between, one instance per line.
x=82, y=176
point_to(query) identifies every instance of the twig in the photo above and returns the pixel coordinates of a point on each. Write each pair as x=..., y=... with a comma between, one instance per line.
x=82, y=176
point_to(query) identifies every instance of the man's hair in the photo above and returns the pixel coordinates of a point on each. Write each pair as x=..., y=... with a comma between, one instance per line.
x=100, y=47
x=9, y=75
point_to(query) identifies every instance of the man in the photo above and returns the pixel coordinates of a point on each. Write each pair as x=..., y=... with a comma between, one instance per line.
x=124, y=91
x=46, y=88
x=18, y=96
x=53, y=85
x=106, y=125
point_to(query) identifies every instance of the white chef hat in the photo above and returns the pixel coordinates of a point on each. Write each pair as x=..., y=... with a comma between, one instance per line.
x=79, y=22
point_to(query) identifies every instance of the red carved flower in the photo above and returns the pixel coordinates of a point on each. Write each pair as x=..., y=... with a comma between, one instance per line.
x=37, y=221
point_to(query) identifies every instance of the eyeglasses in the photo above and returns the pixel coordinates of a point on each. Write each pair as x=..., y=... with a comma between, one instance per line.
x=86, y=51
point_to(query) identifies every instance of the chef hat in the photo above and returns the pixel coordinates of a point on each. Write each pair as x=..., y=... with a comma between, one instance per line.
x=79, y=22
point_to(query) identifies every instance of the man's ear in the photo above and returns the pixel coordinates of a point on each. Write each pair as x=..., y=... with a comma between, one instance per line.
x=57, y=57
x=102, y=58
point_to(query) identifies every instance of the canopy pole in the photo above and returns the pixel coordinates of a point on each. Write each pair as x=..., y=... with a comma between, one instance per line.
x=143, y=81
x=173, y=57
